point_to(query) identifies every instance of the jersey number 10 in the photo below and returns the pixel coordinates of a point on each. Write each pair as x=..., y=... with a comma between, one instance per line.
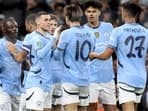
x=80, y=50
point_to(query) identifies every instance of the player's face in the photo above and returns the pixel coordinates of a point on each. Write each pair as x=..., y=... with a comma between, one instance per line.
x=11, y=28
x=44, y=22
x=92, y=14
x=53, y=26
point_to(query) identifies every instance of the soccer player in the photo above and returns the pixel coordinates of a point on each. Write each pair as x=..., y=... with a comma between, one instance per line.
x=30, y=27
x=130, y=41
x=54, y=23
x=57, y=67
x=10, y=70
x=74, y=46
x=39, y=79
x=102, y=86
x=30, y=23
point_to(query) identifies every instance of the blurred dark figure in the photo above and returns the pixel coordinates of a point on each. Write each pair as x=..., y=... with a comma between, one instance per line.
x=77, y=2
x=34, y=6
x=58, y=11
x=143, y=15
x=13, y=8
x=2, y=17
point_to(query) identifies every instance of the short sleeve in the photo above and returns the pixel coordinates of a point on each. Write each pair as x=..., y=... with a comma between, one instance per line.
x=113, y=41
x=64, y=39
x=26, y=43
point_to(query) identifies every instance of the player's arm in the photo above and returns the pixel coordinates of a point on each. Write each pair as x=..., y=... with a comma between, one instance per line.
x=61, y=46
x=19, y=56
x=42, y=52
x=58, y=53
x=57, y=35
x=102, y=56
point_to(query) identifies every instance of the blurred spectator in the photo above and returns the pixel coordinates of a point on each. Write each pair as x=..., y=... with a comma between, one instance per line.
x=13, y=8
x=51, y=3
x=58, y=11
x=110, y=16
x=2, y=17
x=34, y=6
x=73, y=2
x=143, y=16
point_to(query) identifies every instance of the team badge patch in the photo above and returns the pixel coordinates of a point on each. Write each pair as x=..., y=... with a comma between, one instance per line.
x=97, y=34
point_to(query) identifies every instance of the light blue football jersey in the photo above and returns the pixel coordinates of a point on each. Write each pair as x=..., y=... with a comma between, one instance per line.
x=75, y=43
x=101, y=70
x=10, y=74
x=131, y=43
x=39, y=49
x=57, y=68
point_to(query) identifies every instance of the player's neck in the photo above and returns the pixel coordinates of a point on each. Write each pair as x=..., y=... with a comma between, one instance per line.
x=130, y=20
x=42, y=32
x=73, y=24
x=11, y=39
x=94, y=24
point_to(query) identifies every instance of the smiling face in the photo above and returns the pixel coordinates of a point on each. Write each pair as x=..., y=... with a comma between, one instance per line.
x=43, y=22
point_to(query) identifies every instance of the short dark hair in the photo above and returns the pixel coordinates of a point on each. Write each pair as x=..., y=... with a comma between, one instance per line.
x=7, y=20
x=132, y=8
x=94, y=4
x=31, y=18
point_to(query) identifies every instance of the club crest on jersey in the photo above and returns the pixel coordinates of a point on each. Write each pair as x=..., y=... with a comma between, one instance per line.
x=39, y=44
x=97, y=34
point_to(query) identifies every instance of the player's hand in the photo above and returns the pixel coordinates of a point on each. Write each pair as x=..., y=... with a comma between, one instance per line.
x=11, y=47
x=92, y=55
x=57, y=32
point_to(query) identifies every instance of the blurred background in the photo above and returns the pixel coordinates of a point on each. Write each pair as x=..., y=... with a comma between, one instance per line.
x=19, y=9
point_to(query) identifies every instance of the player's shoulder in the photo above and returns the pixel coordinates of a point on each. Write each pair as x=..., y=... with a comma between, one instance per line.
x=2, y=40
x=28, y=36
x=108, y=24
x=67, y=32
x=143, y=28
x=120, y=28
x=19, y=41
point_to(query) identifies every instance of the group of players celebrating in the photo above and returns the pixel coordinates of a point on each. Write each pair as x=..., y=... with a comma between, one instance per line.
x=73, y=67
